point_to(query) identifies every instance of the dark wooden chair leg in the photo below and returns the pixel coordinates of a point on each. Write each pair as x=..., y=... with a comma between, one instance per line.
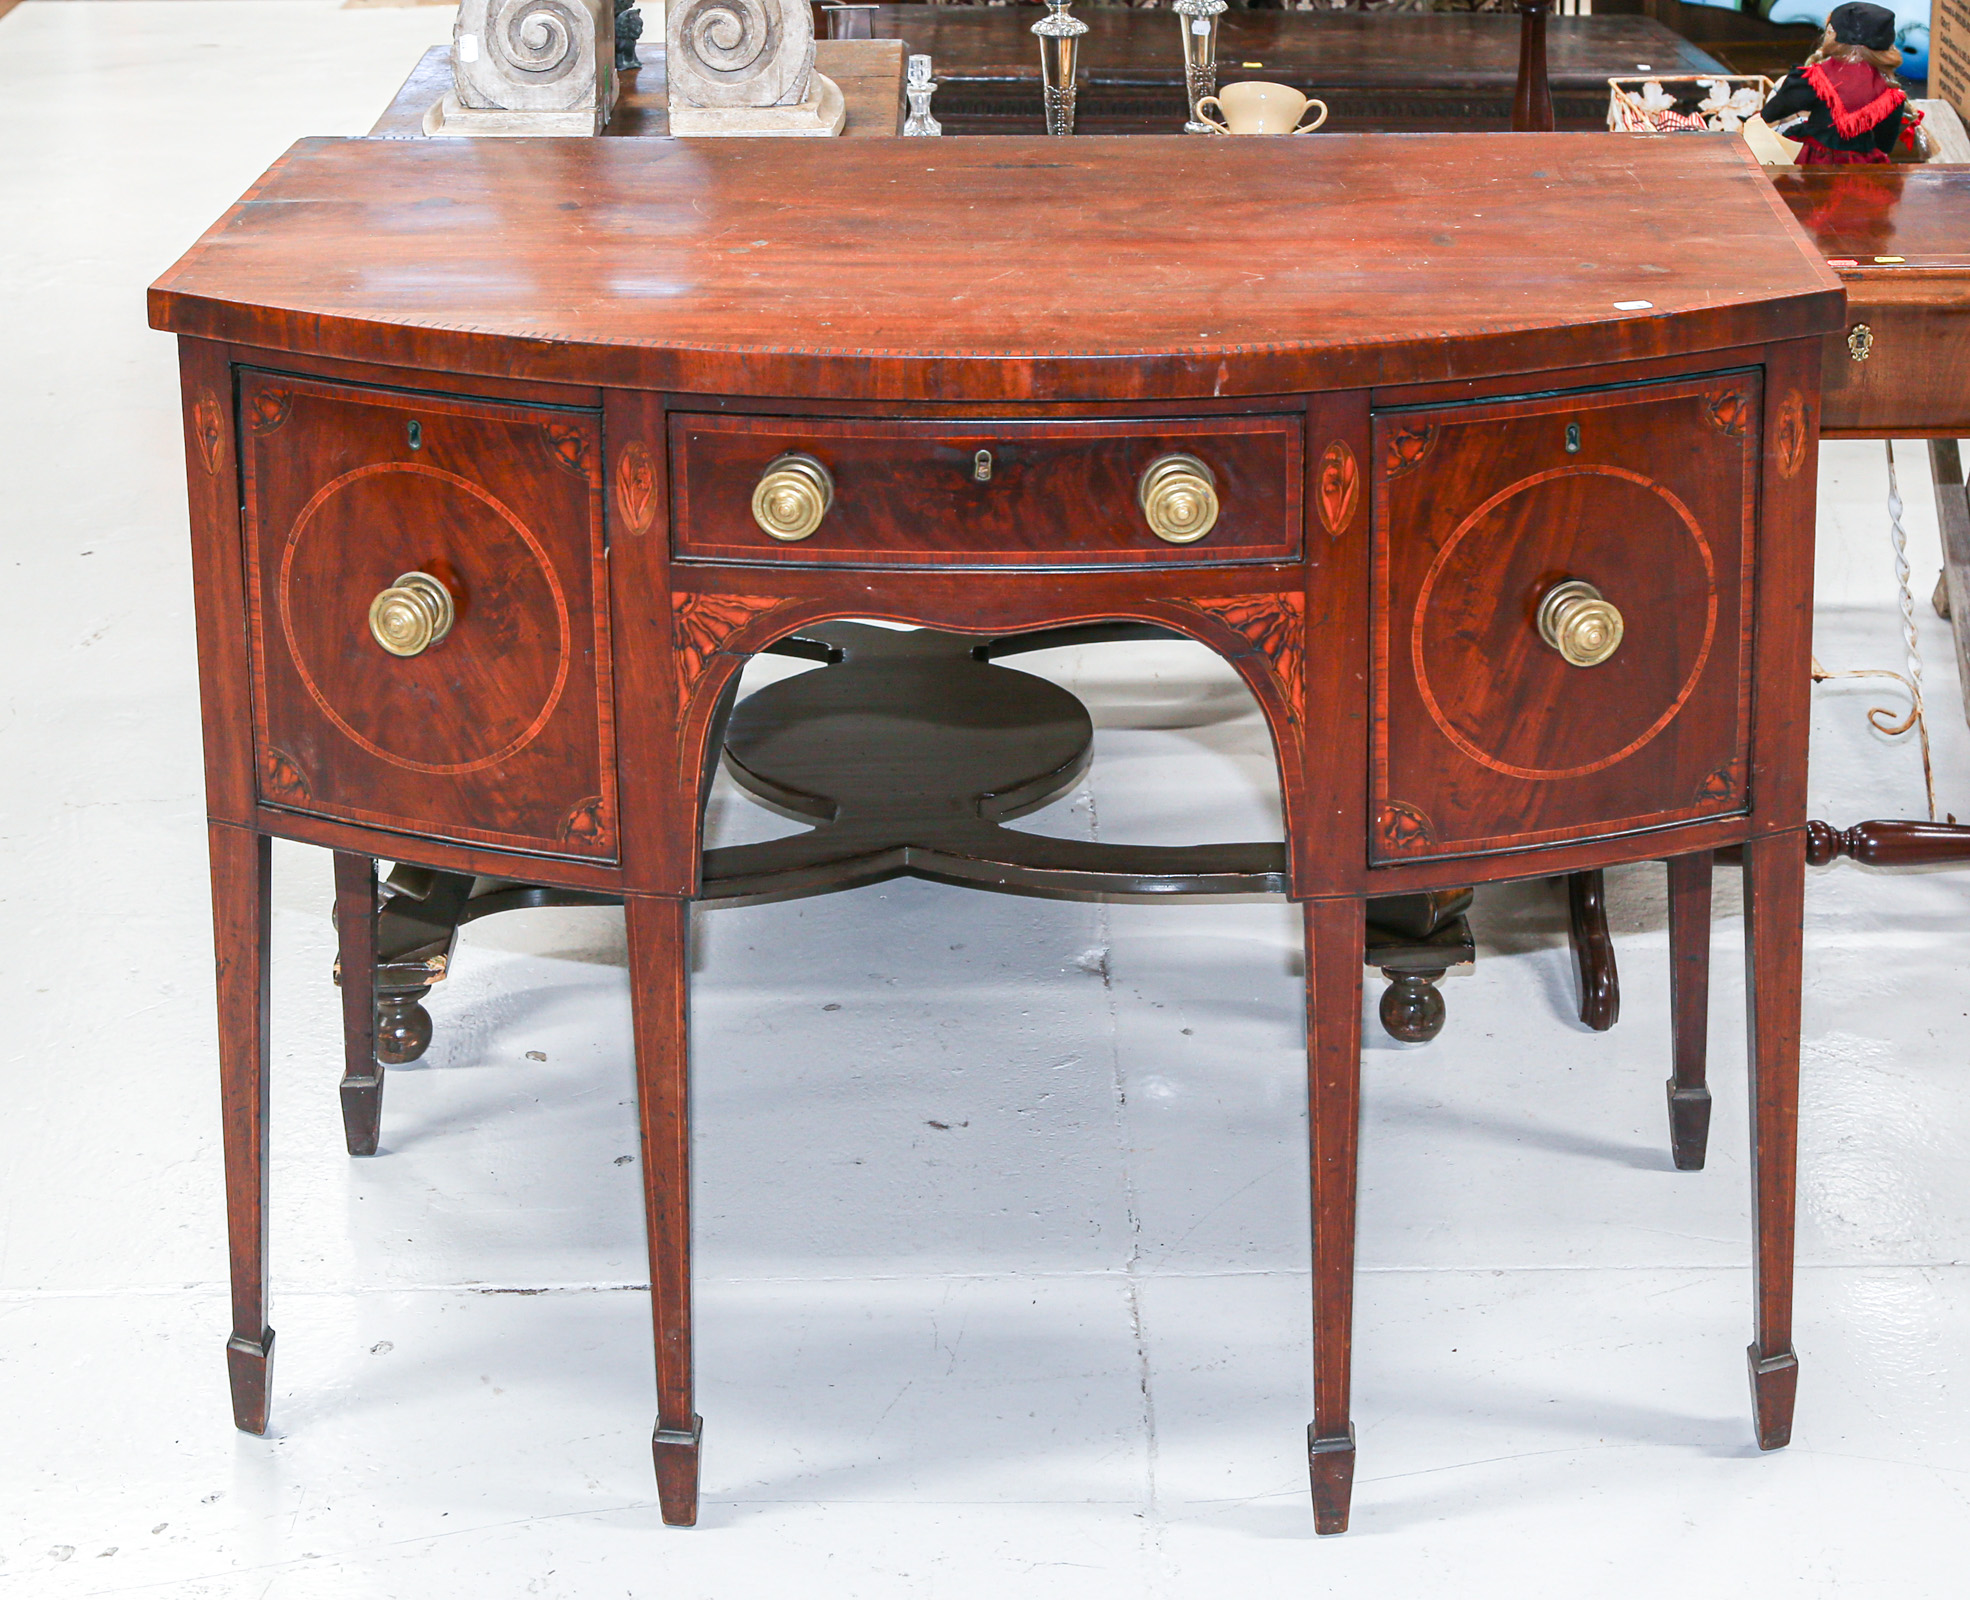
x=242, y=913
x=660, y=967
x=1334, y=946
x=1532, y=97
x=1689, y=1005
x=362, y=1073
x=1774, y=909
x=1593, y=950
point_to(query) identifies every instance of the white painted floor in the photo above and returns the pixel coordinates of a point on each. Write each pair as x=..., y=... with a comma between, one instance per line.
x=1002, y=1203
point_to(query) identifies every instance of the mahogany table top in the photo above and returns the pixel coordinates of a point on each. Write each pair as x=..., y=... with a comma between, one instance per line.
x=1015, y=268
x=1855, y=215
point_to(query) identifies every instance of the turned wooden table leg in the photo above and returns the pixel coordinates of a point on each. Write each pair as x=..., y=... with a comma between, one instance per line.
x=1335, y=931
x=242, y=913
x=1689, y=1005
x=660, y=976
x=1532, y=96
x=1593, y=950
x=362, y=1073
x=1774, y=906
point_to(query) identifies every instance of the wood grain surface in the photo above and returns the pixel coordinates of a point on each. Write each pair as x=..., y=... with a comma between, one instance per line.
x=1024, y=269
x=1900, y=239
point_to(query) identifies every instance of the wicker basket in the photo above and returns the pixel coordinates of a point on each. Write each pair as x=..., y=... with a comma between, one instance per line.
x=1684, y=105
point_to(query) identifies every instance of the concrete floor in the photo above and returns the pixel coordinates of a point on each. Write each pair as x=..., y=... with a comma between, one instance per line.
x=1002, y=1218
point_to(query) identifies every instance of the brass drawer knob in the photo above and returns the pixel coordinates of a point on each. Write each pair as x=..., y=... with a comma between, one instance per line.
x=793, y=495
x=1179, y=496
x=1577, y=622
x=413, y=614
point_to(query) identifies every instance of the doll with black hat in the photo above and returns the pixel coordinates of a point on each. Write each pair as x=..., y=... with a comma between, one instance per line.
x=1842, y=106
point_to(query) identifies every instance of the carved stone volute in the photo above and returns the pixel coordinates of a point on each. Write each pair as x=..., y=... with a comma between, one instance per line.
x=534, y=55
x=732, y=53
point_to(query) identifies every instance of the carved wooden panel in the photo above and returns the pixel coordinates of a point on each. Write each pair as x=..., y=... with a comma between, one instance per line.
x=498, y=733
x=1058, y=494
x=1485, y=736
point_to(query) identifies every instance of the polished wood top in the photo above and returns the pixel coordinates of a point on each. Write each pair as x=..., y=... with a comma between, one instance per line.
x=1341, y=48
x=1856, y=214
x=1004, y=268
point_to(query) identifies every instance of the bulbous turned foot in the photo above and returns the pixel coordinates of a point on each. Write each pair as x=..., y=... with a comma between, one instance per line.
x=403, y=1026
x=1412, y=1008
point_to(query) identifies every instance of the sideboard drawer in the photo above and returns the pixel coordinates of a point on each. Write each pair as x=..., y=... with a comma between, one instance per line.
x=498, y=732
x=1486, y=735
x=1058, y=493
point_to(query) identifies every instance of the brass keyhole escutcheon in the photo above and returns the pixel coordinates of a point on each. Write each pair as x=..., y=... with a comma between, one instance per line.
x=1179, y=497
x=792, y=497
x=413, y=614
x=981, y=467
x=1578, y=622
x=1860, y=341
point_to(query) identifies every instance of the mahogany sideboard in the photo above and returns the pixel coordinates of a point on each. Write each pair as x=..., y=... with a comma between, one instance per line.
x=504, y=456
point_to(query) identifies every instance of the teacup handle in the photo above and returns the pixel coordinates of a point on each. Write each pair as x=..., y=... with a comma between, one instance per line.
x=1211, y=122
x=1309, y=127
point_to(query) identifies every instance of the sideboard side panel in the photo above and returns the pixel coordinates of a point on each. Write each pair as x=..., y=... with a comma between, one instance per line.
x=1782, y=643
x=218, y=578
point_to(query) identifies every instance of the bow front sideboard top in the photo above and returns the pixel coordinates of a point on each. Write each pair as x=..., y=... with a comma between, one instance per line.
x=1488, y=463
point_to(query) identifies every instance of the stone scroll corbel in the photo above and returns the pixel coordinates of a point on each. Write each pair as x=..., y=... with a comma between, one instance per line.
x=746, y=68
x=529, y=67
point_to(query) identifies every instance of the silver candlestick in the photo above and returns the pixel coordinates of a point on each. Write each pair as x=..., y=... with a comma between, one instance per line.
x=1060, y=42
x=920, y=87
x=1199, y=19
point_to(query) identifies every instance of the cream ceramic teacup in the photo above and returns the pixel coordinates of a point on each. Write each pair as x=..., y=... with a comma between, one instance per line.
x=1259, y=108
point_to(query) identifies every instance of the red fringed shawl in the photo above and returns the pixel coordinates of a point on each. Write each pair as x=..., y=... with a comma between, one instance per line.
x=1841, y=84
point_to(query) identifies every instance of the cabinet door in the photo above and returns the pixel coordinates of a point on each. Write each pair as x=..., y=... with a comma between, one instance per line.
x=1486, y=736
x=499, y=732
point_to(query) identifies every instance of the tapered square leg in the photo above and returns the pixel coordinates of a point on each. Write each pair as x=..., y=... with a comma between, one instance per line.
x=659, y=968
x=1335, y=932
x=362, y=1073
x=1774, y=909
x=242, y=882
x=1689, y=1005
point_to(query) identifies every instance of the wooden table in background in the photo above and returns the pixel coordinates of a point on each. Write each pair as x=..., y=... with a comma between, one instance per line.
x=1378, y=72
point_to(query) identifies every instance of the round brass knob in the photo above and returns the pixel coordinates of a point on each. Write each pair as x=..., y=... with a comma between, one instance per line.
x=1577, y=622
x=793, y=495
x=1179, y=496
x=413, y=614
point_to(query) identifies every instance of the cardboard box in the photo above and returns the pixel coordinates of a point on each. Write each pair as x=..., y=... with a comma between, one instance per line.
x=1949, y=53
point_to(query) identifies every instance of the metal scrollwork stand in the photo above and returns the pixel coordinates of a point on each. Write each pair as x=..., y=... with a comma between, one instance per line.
x=1199, y=19
x=1059, y=34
